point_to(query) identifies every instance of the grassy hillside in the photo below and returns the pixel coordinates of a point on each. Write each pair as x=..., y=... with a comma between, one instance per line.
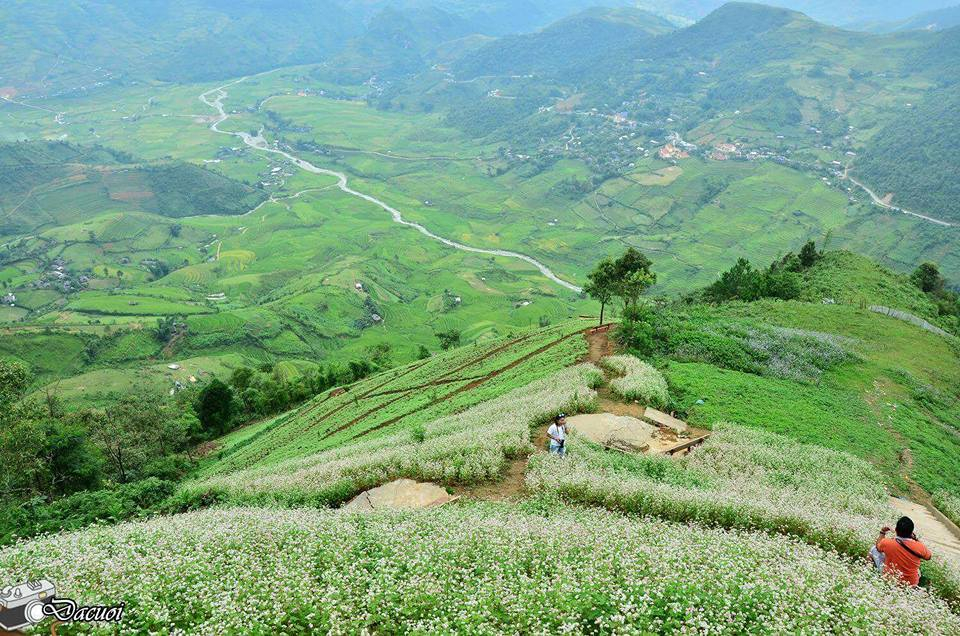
x=48, y=185
x=787, y=500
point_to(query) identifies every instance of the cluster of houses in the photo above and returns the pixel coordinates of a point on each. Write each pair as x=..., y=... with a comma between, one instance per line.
x=10, y=299
x=59, y=277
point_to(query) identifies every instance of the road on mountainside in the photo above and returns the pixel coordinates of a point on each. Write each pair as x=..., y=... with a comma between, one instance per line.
x=883, y=204
x=214, y=99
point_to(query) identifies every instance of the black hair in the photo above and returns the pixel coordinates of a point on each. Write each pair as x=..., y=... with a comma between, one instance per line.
x=905, y=527
x=559, y=417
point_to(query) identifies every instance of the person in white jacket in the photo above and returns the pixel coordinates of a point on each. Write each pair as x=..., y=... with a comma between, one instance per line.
x=558, y=435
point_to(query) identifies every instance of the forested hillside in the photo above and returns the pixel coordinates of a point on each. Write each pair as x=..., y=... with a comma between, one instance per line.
x=840, y=12
x=44, y=185
x=77, y=45
x=583, y=38
x=916, y=156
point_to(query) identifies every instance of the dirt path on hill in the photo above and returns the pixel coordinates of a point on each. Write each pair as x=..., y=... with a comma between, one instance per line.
x=876, y=398
x=936, y=532
x=511, y=486
x=601, y=346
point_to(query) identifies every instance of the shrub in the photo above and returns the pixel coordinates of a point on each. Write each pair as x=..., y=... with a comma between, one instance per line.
x=949, y=505
x=38, y=516
x=639, y=380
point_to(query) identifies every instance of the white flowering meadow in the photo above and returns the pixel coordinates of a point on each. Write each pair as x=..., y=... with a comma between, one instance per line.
x=948, y=505
x=468, y=447
x=638, y=381
x=739, y=478
x=479, y=569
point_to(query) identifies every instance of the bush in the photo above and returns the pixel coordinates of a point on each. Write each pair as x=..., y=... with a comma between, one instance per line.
x=948, y=505
x=640, y=381
x=38, y=516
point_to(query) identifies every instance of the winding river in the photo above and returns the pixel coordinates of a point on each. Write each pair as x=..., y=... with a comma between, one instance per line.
x=214, y=99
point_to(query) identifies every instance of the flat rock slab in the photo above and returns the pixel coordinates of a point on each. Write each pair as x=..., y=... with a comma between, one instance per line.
x=662, y=419
x=400, y=494
x=615, y=431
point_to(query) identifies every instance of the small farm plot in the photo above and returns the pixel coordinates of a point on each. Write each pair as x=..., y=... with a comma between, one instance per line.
x=132, y=305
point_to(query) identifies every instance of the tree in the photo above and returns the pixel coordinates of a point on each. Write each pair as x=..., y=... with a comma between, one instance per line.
x=137, y=430
x=423, y=353
x=637, y=330
x=781, y=284
x=633, y=285
x=380, y=354
x=42, y=451
x=927, y=277
x=14, y=379
x=741, y=281
x=215, y=407
x=167, y=328
x=809, y=255
x=600, y=284
x=448, y=339
x=241, y=377
x=632, y=276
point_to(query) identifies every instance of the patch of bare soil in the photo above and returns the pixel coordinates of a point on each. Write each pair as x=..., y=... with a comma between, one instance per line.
x=599, y=344
x=511, y=486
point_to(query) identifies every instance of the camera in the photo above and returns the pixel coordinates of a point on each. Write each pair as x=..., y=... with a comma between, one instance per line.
x=22, y=606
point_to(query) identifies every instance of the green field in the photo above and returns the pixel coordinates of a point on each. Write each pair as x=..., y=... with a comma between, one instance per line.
x=280, y=282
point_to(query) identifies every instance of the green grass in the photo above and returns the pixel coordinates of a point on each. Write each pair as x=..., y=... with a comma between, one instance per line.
x=132, y=305
x=288, y=271
x=406, y=397
x=831, y=417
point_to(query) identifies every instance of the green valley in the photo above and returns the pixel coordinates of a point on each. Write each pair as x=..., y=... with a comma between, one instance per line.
x=463, y=316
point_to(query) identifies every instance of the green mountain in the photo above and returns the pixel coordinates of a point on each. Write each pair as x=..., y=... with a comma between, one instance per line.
x=914, y=156
x=573, y=41
x=78, y=45
x=840, y=13
x=937, y=20
x=52, y=48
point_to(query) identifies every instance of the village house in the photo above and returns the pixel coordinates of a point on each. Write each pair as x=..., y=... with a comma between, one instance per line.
x=9, y=299
x=670, y=151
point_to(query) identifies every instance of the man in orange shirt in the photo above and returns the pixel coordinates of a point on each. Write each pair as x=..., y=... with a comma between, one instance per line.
x=902, y=555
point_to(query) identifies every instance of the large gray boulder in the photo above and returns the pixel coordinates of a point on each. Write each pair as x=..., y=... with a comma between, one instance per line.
x=614, y=431
x=401, y=494
x=664, y=420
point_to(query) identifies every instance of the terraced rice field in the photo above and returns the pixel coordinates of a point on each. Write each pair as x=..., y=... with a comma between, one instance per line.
x=407, y=396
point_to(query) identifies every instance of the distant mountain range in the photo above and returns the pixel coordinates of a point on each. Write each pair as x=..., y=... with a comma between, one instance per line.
x=835, y=12
x=938, y=20
x=73, y=45
x=781, y=70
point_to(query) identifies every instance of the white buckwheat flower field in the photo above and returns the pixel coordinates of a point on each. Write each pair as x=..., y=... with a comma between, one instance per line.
x=480, y=569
